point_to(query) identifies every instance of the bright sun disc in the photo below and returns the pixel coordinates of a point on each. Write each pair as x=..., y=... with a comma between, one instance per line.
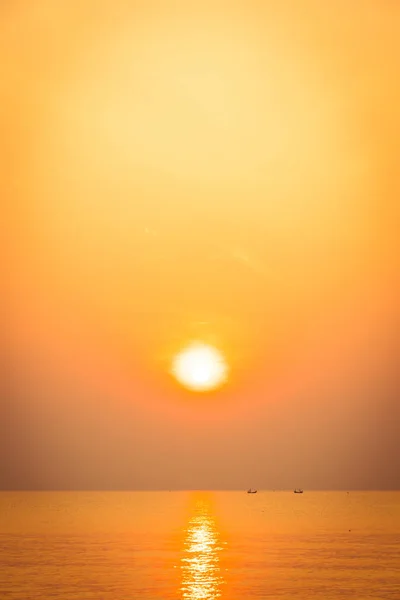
x=200, y=367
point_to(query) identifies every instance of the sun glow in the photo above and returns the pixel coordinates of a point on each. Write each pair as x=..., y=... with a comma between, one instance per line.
x=200, y=367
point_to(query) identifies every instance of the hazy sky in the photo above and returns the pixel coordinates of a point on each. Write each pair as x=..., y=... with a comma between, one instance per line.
x=210, y=171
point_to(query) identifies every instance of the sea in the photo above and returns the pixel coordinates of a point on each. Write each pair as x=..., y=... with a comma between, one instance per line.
x=199, y=545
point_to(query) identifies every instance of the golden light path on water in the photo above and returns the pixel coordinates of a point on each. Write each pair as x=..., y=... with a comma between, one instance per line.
x=201, y=571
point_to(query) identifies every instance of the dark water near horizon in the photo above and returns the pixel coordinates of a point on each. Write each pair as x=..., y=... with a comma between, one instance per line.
x=199, y=545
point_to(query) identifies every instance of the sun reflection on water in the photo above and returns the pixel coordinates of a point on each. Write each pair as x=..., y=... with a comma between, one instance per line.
x=201, y=571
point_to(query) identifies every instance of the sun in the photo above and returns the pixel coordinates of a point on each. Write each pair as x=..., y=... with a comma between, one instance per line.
x=200, y=367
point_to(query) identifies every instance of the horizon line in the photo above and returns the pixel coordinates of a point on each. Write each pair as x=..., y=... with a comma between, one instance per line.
x=133, y=490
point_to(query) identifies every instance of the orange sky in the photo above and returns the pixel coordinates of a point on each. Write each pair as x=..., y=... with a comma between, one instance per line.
x=223, y=172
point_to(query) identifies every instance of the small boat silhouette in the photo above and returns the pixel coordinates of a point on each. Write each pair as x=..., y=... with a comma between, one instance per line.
x=250, y=491
x=298, y=491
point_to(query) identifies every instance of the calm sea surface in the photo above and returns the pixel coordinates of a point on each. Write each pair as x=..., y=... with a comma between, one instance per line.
x=199, y=545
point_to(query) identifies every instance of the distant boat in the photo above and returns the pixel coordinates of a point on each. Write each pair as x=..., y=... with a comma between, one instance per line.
x=250, y=491
x=298, y=491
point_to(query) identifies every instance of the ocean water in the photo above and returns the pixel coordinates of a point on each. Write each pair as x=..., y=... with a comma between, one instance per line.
x=199, y=545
